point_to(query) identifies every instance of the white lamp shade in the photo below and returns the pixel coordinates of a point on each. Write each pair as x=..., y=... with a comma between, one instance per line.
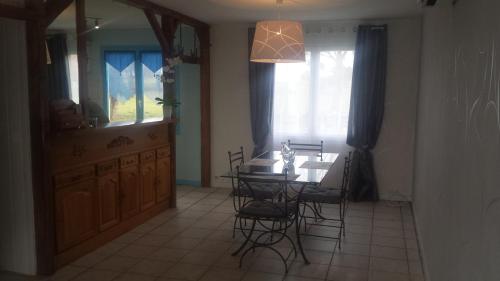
x=278, y=41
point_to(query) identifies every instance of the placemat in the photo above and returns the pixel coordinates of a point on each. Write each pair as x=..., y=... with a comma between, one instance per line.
x=276, y=177
x=261, y=162
x=316, y=165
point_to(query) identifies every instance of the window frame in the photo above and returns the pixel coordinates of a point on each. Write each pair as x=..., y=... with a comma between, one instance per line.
x=138, y=51
x=315, y=61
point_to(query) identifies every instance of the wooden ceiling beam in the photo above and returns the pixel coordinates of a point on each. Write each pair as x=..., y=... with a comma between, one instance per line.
x=18, y=13
x=153, y=21
x=163, y=11
x=53, y=8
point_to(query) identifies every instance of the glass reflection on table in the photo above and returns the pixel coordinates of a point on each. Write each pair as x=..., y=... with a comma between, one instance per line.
x=304, y=174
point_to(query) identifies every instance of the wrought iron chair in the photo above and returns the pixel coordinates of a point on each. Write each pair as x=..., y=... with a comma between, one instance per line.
x=313, y=196
x=264, y=190
x=307, y=147
x=270, y=217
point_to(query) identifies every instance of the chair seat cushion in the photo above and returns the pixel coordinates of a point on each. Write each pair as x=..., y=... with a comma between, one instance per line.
x=261, y=190
x=266, y=209
x=321, y=195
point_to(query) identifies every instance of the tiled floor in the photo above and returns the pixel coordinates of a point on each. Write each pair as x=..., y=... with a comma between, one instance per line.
x=194, y=242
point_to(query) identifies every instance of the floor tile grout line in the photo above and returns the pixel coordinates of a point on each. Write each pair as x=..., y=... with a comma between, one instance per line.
x=371, y=240
x=178, y=261
x=140, y=235
x=245, y=270
x=406, y=246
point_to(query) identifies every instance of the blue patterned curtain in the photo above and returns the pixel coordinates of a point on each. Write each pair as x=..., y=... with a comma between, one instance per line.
x=119, y=60
x=152, y=60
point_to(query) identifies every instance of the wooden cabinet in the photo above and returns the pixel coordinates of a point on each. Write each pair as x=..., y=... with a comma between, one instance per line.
x=148, y=185
x=106, y=182
x=76, y=213
x=109, y=201
x=129, y=192
x=163, y=184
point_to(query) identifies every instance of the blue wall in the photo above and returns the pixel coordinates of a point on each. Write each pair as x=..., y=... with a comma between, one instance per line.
x=188, y=148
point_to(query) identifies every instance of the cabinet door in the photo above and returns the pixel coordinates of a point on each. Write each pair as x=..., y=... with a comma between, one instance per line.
x=163, y=179
x=148, y=184
x=76, y=213
x=129, y=192
x=109, y=206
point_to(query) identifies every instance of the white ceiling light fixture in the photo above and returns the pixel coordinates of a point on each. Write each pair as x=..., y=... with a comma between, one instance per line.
x=278, y=41
x=96, y=22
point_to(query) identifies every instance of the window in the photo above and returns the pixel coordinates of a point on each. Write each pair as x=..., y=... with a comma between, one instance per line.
x=311, y=99
x=131, y=84
x=73, y=77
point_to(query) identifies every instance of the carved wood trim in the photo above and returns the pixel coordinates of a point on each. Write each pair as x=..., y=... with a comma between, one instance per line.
x=119, y=142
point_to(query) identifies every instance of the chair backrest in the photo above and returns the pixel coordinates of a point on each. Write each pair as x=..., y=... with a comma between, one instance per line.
x=250, y=181
x=235, y=159
x=346, y=175
x=306, y=146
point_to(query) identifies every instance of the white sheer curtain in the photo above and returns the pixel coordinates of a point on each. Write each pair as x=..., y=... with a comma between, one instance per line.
x=311, y=100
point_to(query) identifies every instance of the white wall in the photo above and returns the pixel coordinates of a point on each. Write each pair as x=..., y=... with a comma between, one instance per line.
x=394, y=152
x=230, y=101
x=17, y=231
x=457, y=178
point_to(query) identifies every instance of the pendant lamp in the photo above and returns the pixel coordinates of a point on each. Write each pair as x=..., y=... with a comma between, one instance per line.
x=278, y=41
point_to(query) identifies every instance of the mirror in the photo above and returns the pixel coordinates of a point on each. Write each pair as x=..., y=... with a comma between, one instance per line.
x=62, y=60
x=63, y=72
x=124, y=62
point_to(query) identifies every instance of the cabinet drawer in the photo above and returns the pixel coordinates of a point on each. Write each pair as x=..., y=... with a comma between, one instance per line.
x=163, y=152
x=107, y=167
x=74, y=176
x=127, y=161
x=148, y=156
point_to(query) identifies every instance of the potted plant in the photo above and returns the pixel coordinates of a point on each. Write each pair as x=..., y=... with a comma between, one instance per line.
x=168, y=105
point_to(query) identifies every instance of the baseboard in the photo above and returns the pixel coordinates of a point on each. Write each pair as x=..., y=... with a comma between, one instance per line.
x=188, y=182
x=420, y=245
x=389, y=196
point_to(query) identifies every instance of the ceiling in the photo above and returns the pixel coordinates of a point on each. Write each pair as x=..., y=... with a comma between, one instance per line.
x=111, y=15
x=115, y=15
x=214, y=11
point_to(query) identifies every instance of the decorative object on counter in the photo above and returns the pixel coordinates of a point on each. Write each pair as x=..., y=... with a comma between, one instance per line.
x=168, y=73
x=66, y=115
x=93, y=109
x=288, y=154
x=93, y=122
x=168, y=105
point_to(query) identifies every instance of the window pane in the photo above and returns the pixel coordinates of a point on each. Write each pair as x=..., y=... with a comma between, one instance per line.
x=333, y=93
x=152, y=86
x=311, y=101
x=73, y=75
x=291, y=99
x=121, y=89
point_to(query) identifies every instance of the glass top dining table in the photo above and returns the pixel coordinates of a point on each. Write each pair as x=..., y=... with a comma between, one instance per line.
x=308, y=166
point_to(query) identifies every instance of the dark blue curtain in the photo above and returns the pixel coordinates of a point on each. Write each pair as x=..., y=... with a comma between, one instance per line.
x=261, y=77
x=367, y=108
x=58, y=69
